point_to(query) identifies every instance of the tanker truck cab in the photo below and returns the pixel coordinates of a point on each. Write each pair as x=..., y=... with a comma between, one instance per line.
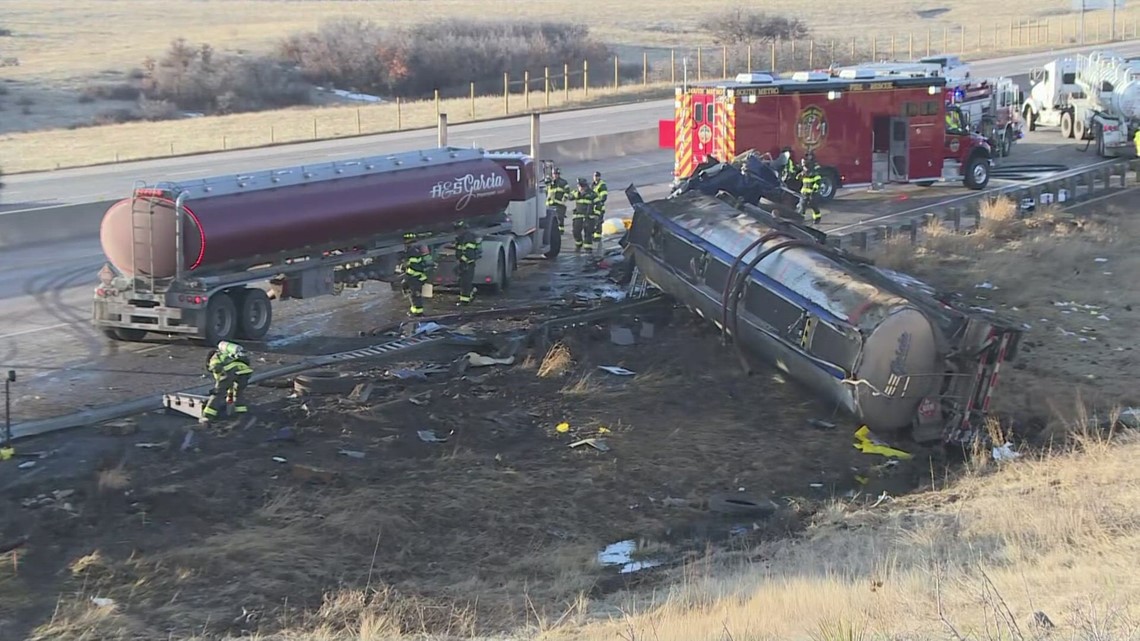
x=863, y=127
x=206, y=258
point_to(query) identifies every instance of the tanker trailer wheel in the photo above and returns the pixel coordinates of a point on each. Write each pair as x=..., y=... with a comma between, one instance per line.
x=255, y=313
x=221, y=318
x=1079, y=129
x=125, y=334
x=554, y=236
x=828, y=184
x=1067, y=124
x=501, y=281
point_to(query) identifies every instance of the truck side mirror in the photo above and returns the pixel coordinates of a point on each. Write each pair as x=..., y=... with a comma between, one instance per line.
x=11, y=376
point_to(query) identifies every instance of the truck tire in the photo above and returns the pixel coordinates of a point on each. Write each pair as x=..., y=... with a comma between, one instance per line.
x=125, y=334
x=324, y=382
x=554, y=237
x=976, y=173
x=1067, y=124
x=1079, y=129
x=828, y=184
x=221, y=321
x=512, y=260
x=255, y=314
x=1030, y=119
x=502, y=281
x=1007, y=142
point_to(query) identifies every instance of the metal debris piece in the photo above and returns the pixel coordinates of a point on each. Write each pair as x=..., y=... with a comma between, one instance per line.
x=420, y=399
x=26, y=465
x=616, y=371
x=622, y=336
x=150, y=446
x=429, y=436
x=475, y=359
x=821, y=424
x=280, y=459
x=361, y=392
x=351, y=453
x=647, y=330
x=596, y=443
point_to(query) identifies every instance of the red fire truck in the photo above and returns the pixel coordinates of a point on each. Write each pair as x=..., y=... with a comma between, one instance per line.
x=986, y=106
x=862, y=129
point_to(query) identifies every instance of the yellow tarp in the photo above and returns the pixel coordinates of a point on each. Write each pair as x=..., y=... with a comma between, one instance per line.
x=867, y=443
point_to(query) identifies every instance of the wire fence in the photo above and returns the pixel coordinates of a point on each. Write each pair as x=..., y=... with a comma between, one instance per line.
x=627, y=77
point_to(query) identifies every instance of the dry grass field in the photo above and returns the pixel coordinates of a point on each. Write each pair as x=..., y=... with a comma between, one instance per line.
x=63, y=47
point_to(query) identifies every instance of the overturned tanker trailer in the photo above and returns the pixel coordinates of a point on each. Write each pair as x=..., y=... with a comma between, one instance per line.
x=883, y=346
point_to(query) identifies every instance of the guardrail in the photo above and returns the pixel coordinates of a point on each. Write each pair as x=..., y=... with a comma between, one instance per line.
x=963, y=214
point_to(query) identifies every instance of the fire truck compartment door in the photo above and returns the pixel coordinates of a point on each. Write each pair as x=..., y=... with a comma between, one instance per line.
x=900, y=149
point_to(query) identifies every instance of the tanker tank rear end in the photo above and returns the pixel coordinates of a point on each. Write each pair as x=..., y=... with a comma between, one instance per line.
x=876, y=347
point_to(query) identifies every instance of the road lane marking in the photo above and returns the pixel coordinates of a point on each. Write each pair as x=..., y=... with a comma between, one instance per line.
x=33, y=330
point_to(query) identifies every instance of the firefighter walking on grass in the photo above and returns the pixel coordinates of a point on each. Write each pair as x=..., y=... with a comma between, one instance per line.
x=417, y=269
x=584, y=201
x=467, y=251
x=809, y=189
x=557, y=192
x=229, y=365
x=602, y=192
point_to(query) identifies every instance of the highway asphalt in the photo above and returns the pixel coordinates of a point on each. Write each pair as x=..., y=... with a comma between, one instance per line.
x=106, y=182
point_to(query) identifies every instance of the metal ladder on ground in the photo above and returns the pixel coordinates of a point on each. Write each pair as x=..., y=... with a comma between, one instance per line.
x=385, y=349
x=638, y=284
x=142, y=239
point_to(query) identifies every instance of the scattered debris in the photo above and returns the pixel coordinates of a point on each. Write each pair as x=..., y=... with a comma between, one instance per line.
x=882, y=498
x=621, y=554
x=150, y=446
x=622, y=336
x=596, y=443
x=821, y=424
x=1100, y=260
x=985, y=285
x=646, y=330
x=420, y=399
x=280, y=459
x=616, y=371
x=562, y=428
x=361, y=392
x=308, y=473
x=26, y=465
x=188, y=441
x=429, y=327
x=351, y=453
x=422, y=373
x=323, y=382
x=1005, y=453
x=741, y=504
x=475, y=359
x=867, y=443
x=102, y=602
x=429, y=436
x=119, y=428
x=285, y=434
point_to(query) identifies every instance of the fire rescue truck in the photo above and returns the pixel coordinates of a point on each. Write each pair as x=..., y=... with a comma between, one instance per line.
x=1093, y=97
x=862, y=128
x=986, y=106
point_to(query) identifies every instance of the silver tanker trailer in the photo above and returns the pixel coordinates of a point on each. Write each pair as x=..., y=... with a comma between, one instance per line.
x=882, y=346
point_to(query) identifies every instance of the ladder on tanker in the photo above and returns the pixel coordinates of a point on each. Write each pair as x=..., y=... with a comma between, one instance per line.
x=142, y=240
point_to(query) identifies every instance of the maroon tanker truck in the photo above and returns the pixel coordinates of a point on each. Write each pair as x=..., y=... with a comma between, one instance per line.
x=192, y=258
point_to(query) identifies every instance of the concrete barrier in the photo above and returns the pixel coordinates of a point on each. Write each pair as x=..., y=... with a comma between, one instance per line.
x=67, y=222
x=25, y=227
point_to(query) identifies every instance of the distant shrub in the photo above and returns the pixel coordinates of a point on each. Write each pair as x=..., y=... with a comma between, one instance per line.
x=361, y=56
x=118, y=91
x=743, y=26
x=194, y=78
x=157, y=109
x=5, y=32
x=113, y=117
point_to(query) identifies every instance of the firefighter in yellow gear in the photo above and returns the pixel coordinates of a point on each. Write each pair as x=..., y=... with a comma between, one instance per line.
x=809, y=189
x=1136, y=141
x=417, y=269
x=602, y=192
x=229, y=365
x=790, y=170
x=557, y=193
x=584, y=201
x=467, y=251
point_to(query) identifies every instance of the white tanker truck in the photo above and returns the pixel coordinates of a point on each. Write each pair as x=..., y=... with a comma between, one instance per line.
x=1094, y=97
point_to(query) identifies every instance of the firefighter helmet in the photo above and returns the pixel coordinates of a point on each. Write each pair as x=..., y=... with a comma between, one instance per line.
x=460, y=224
x=583, y=183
